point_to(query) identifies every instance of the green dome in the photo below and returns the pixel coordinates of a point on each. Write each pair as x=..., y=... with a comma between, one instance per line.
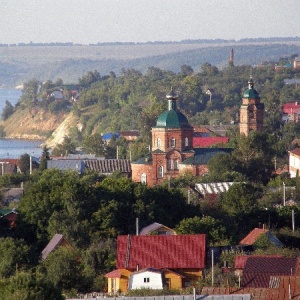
x=251, y=93
x=172, y=119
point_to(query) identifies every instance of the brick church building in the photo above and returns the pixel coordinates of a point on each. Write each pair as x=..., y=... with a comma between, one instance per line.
x=172, y=152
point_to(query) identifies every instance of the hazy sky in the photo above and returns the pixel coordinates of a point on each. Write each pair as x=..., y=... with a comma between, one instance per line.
x=92, y=21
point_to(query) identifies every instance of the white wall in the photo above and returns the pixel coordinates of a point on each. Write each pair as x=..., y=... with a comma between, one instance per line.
x=153, y=280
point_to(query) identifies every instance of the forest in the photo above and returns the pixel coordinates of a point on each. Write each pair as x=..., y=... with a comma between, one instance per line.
x=92, y=210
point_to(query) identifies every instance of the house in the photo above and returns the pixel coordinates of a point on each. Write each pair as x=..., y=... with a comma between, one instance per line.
x=294, y=162
x=108, y=136
x=290, y=112
x=181, y=258
x=57, y=95
x=296, y=63
x=58, y=240
x=129, y=135
x=9, y=166
x=10, y=215
x=264, y=272
x=157, y=229
x=253, y=236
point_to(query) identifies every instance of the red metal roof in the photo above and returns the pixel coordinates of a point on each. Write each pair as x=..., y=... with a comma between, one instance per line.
x=240, y=260
x=258, y=271
x=114, y=274
x=251, y=238
x=209, y=141
x=291, y=108
x=165, y=251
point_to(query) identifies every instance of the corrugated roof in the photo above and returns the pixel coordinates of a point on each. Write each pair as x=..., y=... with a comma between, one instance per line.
x=114, y=274
x=66, y=164
x=260, y=271
x=108, y=166
x=213, y=187
x=55, y=241
x=161, y=251
x=291, y=108
x=203, y=155
x=199, y=141
x=251, y=238
x=240, y=260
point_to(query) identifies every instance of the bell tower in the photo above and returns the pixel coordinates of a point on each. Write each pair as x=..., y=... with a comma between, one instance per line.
x=251, y=111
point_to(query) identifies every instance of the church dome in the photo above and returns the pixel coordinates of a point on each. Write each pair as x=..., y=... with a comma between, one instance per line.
x=172, y=118
x=251, y=93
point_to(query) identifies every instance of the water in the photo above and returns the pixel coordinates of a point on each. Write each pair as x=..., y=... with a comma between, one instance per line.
x=12, y=148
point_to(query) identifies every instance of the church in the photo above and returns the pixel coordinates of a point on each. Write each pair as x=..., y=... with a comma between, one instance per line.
x=172, y=152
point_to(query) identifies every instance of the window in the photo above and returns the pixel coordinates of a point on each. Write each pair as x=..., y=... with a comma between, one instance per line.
x=160, y=172
x=173, y=142
x=169, y=164
x=158, y=143
x=186, y=142
x=146, y=279
x=176, y=164
x=144, y=178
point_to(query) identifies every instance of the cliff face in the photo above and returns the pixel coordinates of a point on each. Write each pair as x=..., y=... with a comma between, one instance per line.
x=37, y=124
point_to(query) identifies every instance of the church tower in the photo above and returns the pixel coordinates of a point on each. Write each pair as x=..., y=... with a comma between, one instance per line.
x=251, y=111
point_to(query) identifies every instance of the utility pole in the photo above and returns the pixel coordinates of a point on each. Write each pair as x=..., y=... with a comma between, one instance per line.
x=283, y=193
x=212, y=267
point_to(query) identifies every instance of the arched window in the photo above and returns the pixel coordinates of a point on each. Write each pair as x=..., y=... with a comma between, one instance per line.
x=160, y=172
x=158, y=143
x=173, y=142
x=144, y=178
x=186, y=142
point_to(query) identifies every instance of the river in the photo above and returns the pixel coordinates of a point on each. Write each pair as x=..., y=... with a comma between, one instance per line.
x=14, y=148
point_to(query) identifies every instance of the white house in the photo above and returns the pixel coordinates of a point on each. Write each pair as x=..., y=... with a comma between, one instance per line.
x=294, y=162
x=147, y=278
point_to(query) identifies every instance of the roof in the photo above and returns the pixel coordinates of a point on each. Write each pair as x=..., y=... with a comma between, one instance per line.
x=291, y=108
x=240, y=260
x=291, y=81
x=53, y=244
x=109, y=135
x=152, y=227
x=251, y=238
x=152, y=270
x=213, y=187
x=172, y=119
x=251, y=93
x=209, y=141
x=5, y=212
x=114, y=274
x=262, y=271
x=203, y=155
x=161, y=251
x=108, y=166
x=66, y=164
x=129, y=133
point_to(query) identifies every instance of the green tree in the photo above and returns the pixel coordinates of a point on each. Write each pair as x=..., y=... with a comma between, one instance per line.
x=14, y=255
x=8, y=110
x=94, y=144
x=64, y=269
x=67, y=147
x=30, y=92
x=44, y=158
x=214, y=230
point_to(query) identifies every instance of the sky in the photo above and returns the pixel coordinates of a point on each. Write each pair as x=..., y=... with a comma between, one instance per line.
x=93, y=21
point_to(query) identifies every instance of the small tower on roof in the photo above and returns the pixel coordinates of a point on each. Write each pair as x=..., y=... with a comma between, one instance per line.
x=251, y=111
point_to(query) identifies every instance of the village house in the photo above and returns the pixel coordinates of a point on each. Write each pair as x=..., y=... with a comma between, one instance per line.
x=171, y=261
x=290, y=112
x=294, y=162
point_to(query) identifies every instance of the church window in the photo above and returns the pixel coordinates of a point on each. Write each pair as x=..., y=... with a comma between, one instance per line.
x=144, y=178
x=169, y=164
x=186, y=142
x=158, y=143
x=173, y=142
x=160, y=172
